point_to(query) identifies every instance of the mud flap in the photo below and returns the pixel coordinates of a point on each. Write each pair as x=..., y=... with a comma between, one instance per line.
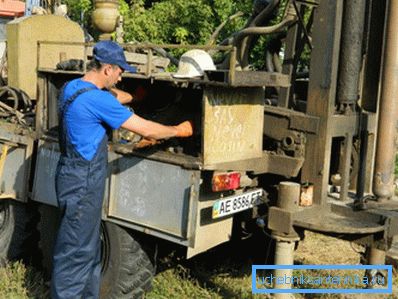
x=209, y=234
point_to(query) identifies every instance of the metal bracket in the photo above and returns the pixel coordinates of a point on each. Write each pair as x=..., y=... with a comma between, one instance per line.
x=3, y=156
x=280, y=220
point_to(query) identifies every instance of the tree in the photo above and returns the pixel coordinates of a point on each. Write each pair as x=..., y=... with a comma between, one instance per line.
x=168, y=21
x=180, y=21
x=80, y=11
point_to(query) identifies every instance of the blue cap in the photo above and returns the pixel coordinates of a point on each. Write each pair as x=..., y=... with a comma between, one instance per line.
x=110, y=52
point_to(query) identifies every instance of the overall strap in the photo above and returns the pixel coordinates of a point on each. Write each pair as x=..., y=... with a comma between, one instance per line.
x=62, y=108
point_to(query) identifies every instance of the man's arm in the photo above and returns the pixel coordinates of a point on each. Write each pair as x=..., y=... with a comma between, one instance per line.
x=122, y=96
x=152, y=130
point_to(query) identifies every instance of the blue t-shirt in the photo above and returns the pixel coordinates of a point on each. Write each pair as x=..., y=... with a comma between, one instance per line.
x=89, y=114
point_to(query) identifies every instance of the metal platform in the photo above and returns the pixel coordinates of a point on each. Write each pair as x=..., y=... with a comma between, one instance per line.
x=342, y=222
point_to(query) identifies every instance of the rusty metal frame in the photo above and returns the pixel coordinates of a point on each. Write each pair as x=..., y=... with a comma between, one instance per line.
x=4, y=151
x=229, y=77
x=13, y=137
x=292, y=39
x=377, y=225
x=321, y=95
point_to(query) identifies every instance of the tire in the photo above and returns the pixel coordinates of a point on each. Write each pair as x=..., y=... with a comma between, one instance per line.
x=14, y=218
x=127, y=270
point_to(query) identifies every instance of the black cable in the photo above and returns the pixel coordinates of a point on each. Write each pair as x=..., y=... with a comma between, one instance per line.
x=303, y=27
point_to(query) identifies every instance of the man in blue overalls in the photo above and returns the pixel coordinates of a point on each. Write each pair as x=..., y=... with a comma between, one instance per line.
x=87, y=107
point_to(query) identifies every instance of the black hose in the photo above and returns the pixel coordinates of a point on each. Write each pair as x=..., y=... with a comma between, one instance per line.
x=11, y=95
x=21, y=107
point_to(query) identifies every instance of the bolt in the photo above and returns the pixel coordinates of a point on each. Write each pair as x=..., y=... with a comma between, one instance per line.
x=260, y=222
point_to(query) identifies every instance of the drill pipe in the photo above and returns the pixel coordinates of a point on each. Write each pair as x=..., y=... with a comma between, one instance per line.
x=383, y=177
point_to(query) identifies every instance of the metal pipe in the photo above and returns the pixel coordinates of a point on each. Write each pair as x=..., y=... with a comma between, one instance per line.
x=288, y=199
x=387, y=127
x=375, y=257
x=269, y=63
x=288, y=195
x=345, y=180
x=284, y=255
x=142, y=45
x=351, y=53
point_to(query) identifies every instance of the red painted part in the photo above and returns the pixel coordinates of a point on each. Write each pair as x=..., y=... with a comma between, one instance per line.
x=12, y=8
x=225, y=181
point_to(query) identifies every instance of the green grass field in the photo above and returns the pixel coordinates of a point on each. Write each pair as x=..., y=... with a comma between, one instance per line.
x=214, y=274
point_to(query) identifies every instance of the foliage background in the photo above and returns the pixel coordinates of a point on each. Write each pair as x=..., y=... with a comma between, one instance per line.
x=175, y=21
x=169, y=21
x=182, y=22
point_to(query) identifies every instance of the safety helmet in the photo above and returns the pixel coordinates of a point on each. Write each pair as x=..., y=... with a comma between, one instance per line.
x=193, y=63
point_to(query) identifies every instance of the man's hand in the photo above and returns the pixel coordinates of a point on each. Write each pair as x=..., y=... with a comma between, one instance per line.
x=184, y=129
x=144, y=142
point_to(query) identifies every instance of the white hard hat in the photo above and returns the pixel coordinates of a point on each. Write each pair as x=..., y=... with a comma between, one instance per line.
x=193, y=63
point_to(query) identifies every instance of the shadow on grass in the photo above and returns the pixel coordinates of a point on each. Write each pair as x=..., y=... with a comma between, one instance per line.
x=233, y=260
x=35, y=285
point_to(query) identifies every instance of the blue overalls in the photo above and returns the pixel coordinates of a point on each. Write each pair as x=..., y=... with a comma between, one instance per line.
x=80, y=188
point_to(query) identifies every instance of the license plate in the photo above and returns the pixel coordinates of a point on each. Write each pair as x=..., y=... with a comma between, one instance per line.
x=234, y=204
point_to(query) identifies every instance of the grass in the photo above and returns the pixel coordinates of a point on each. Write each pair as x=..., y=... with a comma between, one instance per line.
x=19, y=282
x=396, y=166
x=224, y=272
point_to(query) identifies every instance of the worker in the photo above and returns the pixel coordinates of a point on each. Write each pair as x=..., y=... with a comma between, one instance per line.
x=88, y=106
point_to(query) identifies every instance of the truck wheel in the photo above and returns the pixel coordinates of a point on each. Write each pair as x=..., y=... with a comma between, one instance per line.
x=127, y=271
x=13, y=233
